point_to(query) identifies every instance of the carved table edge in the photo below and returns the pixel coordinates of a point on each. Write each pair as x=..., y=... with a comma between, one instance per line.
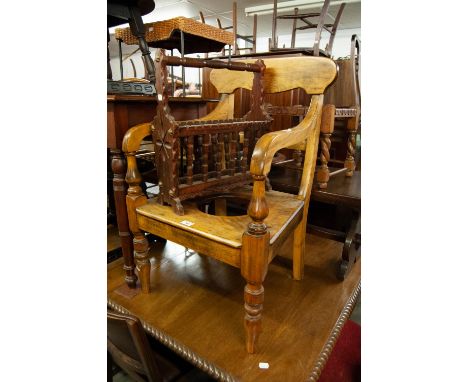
x=329, y=345
x=178, y=348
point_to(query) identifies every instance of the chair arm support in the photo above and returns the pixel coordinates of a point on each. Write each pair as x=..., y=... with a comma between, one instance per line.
x=270, y=143
x=134, y=136
x=130, y=145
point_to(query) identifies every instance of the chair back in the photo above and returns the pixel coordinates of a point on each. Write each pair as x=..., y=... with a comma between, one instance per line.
x=129, y=347
x=313, y=75
x=345, y=92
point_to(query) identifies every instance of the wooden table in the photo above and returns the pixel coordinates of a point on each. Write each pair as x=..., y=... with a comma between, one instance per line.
x=195, y=308
x=123, y=112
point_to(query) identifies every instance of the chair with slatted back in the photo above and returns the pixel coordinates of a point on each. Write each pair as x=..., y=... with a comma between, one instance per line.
x=319, y=27
x=131, y=350
x=251, y=39
x=248, y=241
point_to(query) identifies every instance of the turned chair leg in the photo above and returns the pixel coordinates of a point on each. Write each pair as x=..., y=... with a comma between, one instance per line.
x=350, y=163
x=254, y=263
x=143, y=265
x=327, y=126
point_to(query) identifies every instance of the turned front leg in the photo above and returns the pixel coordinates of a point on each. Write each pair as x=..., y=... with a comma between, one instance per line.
x=350, y=163
x=119, y=186
x=143, y=265
x=326, y=129
x=135, y=198
x=254, y=263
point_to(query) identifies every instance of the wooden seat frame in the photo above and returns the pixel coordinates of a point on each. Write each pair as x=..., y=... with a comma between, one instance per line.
x=313, y=74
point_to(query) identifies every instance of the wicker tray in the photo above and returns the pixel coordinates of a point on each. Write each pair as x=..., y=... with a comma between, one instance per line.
x=198, y=37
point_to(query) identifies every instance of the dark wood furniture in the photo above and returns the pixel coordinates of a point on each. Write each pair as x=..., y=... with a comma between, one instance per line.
x=343, y=200
x=248, y=242
x=252, y=39
x=345, y=94
x=195, y=311
x=142, y=358
x=124, y=111
x=318, y=25
x=130, y=11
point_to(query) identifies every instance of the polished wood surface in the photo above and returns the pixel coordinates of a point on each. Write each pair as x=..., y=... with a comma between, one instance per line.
x=341, y=190
x=278, y=78
x=195, y=311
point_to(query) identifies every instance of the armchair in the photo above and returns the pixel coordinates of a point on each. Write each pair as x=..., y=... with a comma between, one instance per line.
x=247, y=241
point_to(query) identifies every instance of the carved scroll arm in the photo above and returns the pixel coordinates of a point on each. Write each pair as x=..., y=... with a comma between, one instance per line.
x=131, y=144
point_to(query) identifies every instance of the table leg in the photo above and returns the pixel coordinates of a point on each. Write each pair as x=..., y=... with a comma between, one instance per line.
x=119, y=167
x=351, y=247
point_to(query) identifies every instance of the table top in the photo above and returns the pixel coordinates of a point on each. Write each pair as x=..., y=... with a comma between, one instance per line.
x=341, y=190
x=196, y=309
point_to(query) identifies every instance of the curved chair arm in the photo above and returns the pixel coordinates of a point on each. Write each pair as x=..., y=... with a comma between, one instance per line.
x=130, y=145
x=270, y=143
x=134, y=136
x=262, y=157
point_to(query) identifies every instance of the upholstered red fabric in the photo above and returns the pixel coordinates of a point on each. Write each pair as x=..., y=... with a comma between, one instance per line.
x=344, y=364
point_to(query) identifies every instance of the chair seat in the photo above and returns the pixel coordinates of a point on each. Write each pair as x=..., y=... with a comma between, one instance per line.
x=225, y=230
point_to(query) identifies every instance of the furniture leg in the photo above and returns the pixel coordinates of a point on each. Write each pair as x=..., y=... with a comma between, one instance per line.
x=143, y=265
x=350, y=163
x=135, y=198
x=254, y=260
x=323, y=173
x=350, y=248
x=118, y=169
x=254, y=263
x=299, y=249
x=327, y=127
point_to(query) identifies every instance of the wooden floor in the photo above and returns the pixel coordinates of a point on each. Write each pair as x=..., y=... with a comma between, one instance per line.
x=196, y=308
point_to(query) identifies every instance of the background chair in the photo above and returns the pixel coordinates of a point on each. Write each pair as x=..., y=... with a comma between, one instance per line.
x=248, y=242
x=319, y=27
x=143, y=359
x=252, y=39
x=345, y=95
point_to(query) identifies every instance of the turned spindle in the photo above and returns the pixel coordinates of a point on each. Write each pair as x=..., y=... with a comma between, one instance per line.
x=350, y=163
x=135, y=198
x=233, y=151
x=245, y=151
x=326, y=129
x=119, y=188
x=206, y=145
x=190, y=159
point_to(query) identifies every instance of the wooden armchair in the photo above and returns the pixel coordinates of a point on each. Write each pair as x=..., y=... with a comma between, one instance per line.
x=247, y=241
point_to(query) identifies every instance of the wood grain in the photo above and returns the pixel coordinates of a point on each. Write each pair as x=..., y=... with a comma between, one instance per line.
x=196, y=311
x=278, y=75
